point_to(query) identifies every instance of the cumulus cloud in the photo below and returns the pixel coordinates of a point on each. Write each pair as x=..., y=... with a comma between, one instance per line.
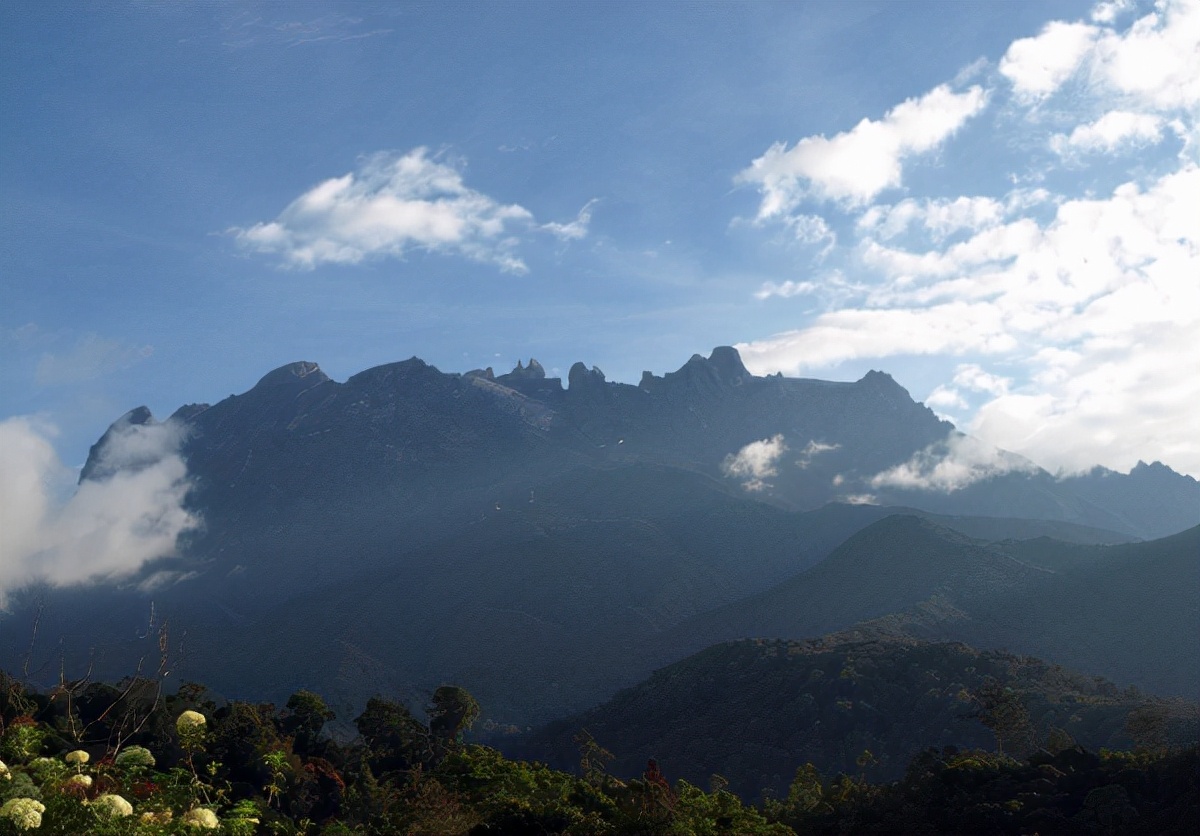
x=1156, y=61
x=973, y=376
x=1062, y=316
x=1102, y=295
x=951, y=465
x=392, y=204
x=945, y=397
x=856, y=165
x=1038, y=66
x=1113, y=131
x=755, y=463
x=109, y=528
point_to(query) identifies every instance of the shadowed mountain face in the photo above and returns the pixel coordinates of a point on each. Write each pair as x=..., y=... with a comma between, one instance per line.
x=535, y=542
x=1128, y=611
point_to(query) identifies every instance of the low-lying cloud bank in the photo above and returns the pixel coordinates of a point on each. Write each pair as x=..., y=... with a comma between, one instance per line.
x=951, y=465
x=109, y=527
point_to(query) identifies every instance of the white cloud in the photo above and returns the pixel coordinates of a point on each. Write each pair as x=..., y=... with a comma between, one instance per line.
x=860, y=499
x=858, y=164
x=755, y=463
x=1108, y=11
x=940, y=217
x=1098, y=306
x=1156, y=62
x=811, y=229
x=812, y=450
x=577, y=228
x=390, y=205
x=108, y=529
x=785, y=290
x=1115, y=130
x=837, y=336
x=1065, y=315
x=943, y=397
x=1038, y=66
x=92, y=356
x=951, y=465
x=972, y=376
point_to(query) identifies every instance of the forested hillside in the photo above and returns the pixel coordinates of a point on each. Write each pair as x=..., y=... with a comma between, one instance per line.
x=118, y=760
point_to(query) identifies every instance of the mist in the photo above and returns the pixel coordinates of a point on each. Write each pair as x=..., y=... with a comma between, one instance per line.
x=106, y=529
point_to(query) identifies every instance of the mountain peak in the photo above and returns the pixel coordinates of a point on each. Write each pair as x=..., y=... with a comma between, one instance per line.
x=533, y=371
x=94, y=468
x=878, y=378
x=728, y=363
x=580, y=377
x=285, y=375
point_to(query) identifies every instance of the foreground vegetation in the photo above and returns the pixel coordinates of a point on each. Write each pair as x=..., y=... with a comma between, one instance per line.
x=90, y=758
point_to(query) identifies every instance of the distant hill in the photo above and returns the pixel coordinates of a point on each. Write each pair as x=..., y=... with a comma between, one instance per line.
x=754, y=710
x=1127, y=611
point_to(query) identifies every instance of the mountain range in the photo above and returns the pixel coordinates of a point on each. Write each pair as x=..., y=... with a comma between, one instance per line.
x=545, y=545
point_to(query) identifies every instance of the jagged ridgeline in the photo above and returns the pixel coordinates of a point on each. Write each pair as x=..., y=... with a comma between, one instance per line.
x=544, y=545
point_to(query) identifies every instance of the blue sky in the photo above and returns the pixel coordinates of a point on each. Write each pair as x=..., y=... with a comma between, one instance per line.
x=997, y=203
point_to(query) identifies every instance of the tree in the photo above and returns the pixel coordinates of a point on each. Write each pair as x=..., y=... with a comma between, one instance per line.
x=451, y=712
x=1003, y=711
x=394, y=738
x=306, y=717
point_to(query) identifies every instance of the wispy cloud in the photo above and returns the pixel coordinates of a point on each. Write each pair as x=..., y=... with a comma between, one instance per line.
x=812, y=450
x=92, y=356
x=249, y=29
x=577, y=228
x=108, y=528
x=755, y=463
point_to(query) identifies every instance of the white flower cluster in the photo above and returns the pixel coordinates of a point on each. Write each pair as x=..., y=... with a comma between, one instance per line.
x=190, y=721
x=113, y=806
x=201, y=817
x=5, y=772
x=24, y=813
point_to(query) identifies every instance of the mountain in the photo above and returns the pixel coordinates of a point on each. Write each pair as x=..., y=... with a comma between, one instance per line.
x=754, y=710
x=304, y=447
x=1126, y=611
x=537, y=543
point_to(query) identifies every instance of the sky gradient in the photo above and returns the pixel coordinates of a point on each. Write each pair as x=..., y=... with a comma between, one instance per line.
x=997, y=203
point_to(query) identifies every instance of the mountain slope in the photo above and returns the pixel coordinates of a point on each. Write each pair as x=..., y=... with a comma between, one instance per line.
x=755, y=710
x=1125, y=611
